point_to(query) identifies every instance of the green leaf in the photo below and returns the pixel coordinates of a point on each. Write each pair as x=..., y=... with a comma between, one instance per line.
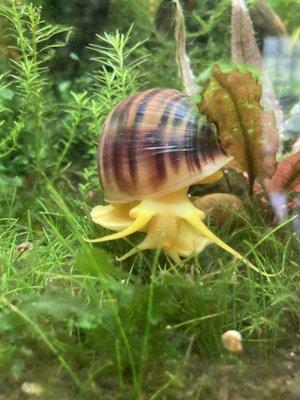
x=64, y=85
x=96, y=262
x=7, y=94
x=74, y=56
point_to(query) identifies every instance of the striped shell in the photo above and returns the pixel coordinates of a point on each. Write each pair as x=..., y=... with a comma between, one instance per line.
x=154, y=143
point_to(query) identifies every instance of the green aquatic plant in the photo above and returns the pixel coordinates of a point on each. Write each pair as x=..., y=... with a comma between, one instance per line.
x=71, y=317
x=37, y=130
x=117, y=73
x=34, y=42
x=75, y=305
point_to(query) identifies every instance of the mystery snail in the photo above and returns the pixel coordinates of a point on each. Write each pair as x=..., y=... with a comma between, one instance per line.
x=153, y=147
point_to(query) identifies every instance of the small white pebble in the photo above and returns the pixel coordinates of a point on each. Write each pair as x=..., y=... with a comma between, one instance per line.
x=31, y=388
x=232, y=341
x=26, y=246
x=26, y=351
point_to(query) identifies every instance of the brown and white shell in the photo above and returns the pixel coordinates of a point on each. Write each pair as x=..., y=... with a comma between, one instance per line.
x=154, y=143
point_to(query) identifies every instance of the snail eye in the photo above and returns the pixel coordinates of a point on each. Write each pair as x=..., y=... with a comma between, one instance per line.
x=210, y=130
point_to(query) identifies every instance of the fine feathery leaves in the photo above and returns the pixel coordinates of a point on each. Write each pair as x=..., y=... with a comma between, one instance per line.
x=8, y=132
x=118, y=61
x=183, y=61
x=27, y=118
x=34, y=43
x=117, y=74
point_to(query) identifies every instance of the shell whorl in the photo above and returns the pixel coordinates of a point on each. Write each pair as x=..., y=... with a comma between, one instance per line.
x=154, y=143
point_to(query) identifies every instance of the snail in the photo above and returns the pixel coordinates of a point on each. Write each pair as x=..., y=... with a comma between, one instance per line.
x=153, y=147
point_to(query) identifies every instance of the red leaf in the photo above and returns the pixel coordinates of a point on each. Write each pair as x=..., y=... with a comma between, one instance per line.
x=287, y=175
x=244, y=50
x=183, y=61
x=232, y=102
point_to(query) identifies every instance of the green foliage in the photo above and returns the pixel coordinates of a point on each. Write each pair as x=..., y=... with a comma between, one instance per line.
x=8, y=142
x=39, y=131
x=26, y=130
x=117, y=74
x=207, y=25
x=134, y=329
x=289, y=12
x=82, y=306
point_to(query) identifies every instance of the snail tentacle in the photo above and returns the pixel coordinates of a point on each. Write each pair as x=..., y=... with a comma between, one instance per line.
x=201, y=227
x=173, y=254
x=141, y=220
x=130, y=253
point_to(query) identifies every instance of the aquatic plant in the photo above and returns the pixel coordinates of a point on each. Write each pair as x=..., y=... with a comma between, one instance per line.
x=72, y=319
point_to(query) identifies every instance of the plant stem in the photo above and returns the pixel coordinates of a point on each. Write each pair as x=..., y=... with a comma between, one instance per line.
x=45, y=340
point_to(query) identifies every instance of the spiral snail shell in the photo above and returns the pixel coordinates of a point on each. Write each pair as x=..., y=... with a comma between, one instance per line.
x=154, y=143
x=153, y=147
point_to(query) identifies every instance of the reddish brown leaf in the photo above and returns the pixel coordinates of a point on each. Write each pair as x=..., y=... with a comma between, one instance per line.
x=266, y=22
x=183, y=61
x=244, y=50
x=232, y=102
x=287, y=176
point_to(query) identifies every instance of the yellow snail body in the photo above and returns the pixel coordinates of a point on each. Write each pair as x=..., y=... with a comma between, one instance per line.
x=153, y=147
